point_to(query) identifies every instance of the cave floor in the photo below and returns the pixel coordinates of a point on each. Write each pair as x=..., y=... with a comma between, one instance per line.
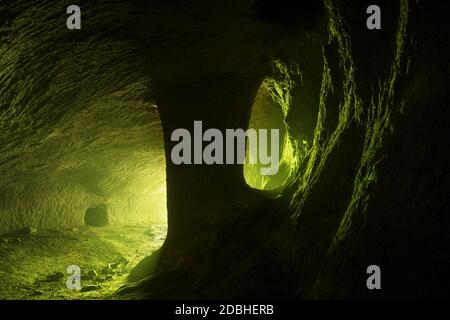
x=34, y=266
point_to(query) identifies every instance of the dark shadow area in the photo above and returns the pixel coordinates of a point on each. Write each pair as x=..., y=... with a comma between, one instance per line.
x=96, y=217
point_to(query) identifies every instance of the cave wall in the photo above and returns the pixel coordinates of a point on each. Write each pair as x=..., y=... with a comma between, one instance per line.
x=373, y=188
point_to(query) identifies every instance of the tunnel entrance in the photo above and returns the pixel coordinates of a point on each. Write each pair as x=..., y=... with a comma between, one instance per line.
x=97, y=216
x=268, y=112
x=272, y=108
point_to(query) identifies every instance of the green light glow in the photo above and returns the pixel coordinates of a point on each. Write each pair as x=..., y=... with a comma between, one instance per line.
x=142, y=199
x=276, y=90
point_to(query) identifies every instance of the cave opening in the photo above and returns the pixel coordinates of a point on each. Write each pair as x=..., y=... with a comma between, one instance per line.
x=271, y=109
x=97, y=216
x=266, y=114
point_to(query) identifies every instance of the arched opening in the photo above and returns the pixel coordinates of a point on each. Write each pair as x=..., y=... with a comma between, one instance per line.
x=269, y=111
x=96, y=216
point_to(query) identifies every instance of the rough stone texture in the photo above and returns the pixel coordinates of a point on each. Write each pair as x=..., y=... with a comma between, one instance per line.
x=369, y=185
x=76, y=126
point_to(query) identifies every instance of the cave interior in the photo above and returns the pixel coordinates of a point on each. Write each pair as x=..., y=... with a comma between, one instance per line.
x=86, y=118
